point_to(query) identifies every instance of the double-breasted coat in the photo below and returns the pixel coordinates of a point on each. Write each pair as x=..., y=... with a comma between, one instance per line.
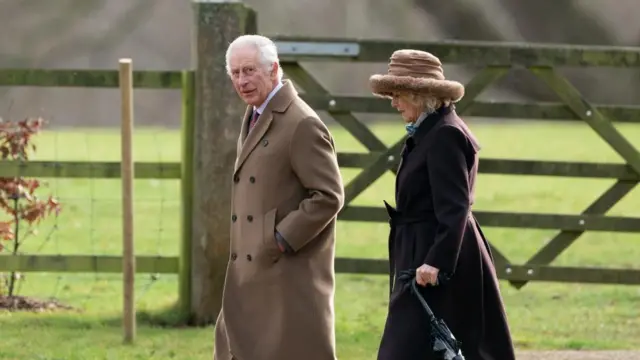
x=432, y=224
x=279, y=306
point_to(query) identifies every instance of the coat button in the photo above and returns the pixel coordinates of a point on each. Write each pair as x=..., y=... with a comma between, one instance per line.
x=236, y=179
x=249, y=257
x=234, y=256
x=250, y=218
x=252, y=179
x=234, y=218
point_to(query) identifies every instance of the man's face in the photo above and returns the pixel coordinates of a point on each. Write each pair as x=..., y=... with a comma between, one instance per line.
x=252, y=81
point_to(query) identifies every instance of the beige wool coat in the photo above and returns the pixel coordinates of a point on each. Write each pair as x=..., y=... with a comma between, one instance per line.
x=280, y=306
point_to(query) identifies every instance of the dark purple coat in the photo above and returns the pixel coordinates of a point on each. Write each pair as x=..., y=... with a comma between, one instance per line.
x=433, y=224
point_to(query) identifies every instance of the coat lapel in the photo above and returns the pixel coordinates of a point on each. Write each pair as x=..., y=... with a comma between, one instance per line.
x=412, y=141
x=254, y=136
x=403, y=153
x=248, y=142
x=243, y=135
x=245, y=124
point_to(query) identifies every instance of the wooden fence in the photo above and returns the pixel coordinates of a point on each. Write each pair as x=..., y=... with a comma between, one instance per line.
x=497, y=60
x=100, y=170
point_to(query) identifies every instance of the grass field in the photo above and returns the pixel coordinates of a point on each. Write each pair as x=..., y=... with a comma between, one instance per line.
x=542, y=315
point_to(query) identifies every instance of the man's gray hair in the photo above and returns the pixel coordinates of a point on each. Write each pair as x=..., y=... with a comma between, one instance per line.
x=267, y=51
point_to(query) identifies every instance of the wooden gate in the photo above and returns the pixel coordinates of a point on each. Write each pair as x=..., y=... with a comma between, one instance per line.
x=497, y=60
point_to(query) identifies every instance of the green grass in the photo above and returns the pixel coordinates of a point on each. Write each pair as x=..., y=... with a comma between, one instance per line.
x=542, y=315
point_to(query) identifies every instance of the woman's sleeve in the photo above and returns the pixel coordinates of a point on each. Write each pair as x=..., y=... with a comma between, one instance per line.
x=449, y=179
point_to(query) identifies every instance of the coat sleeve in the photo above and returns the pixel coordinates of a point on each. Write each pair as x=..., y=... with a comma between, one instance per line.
x=314, y=161
x=449, y=179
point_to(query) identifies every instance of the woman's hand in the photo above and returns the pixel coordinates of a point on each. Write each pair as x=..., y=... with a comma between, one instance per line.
x=426, y=274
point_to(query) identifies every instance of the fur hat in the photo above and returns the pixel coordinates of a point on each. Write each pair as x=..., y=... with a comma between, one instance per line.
x=417, y=72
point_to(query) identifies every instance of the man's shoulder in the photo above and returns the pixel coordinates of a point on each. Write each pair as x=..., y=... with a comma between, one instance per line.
x=300, y=109
x=300, y=113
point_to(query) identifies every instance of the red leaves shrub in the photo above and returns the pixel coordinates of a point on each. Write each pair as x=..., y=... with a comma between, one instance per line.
x=18, y=199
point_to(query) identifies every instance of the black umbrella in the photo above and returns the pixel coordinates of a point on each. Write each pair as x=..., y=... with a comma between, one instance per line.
x=443, y=342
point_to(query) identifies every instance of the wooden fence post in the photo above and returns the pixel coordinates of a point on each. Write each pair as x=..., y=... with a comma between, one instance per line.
x=218, y=113
x=186, y=195
x=127, y=174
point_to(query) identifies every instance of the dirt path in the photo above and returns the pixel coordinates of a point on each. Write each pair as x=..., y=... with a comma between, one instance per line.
x=578, y=355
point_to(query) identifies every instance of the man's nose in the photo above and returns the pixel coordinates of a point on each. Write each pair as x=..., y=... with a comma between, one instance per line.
x=242, y=80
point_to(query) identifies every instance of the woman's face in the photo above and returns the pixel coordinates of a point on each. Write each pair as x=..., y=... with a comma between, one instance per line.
x=409, y=111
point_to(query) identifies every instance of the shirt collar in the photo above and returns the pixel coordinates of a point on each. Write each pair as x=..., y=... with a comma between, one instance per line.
x=271, y=95
x=420, y=119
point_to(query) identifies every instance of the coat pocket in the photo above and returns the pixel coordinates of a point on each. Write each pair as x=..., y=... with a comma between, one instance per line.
x=270, y=244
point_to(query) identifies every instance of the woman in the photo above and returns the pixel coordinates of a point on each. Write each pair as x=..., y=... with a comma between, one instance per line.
x=432, y=228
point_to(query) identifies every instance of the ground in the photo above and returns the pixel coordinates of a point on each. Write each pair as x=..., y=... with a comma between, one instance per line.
x=543, y=316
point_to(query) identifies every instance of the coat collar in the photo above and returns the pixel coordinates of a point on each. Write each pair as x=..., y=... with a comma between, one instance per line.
x=273, y=92
x=430, y=122
x=421, y=133
x=277, y=105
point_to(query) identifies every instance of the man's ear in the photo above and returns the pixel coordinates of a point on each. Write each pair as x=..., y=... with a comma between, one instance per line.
x=274, y=71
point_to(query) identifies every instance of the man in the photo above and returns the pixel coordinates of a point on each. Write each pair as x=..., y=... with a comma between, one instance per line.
x=287, y=191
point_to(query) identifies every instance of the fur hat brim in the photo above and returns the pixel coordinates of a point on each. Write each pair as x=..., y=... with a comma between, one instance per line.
x=387, y=85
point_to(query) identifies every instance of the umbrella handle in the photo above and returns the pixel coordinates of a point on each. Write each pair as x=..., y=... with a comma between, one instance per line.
x=414, y=288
